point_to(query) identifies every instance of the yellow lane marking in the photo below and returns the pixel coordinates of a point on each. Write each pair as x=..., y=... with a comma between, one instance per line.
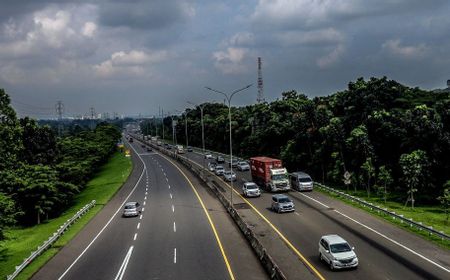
x=230, y=272
x=318, y=274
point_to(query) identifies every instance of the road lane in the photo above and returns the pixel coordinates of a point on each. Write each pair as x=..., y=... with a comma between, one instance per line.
x=379, y=257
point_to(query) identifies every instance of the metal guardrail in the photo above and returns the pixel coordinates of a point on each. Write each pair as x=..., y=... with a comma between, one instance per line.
x=379, y=209
x=52, y=239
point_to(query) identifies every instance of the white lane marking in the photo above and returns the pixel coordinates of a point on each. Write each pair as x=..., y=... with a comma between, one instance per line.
x=384, y=236
x=135, y=236
x=138, y=225
x=144, y=203
x=140, y=217
x=175, y=255
x=145, y=198
x=173, y=208
x=143, y=209
x=297, y=214
x=165, y=174
x=315, y=200
x=170, y=195
x=174, y=227
x=169, y=186
x=167, y=179
x=109, y=221
x=146, y=193
x=123, y=267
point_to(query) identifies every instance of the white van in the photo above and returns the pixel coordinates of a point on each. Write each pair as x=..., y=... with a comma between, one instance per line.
x=301, y=181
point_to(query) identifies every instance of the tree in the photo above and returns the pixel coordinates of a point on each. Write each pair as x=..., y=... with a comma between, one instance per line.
x=413, y=166
x=444, y=199
x=384, y=175
x=368, y=173
x=8, y=213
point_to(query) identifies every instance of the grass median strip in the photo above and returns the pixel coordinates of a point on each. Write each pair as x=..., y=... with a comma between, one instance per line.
x=21, y=242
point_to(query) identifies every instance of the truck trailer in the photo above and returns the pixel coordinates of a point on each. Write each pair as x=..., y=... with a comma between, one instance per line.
x=269, y=173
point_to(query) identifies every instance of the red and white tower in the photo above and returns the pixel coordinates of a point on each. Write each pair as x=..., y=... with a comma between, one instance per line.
x=260, y=97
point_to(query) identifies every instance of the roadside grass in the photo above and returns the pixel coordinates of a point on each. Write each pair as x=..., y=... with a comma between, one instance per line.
x=428, y=215
x=21, y=242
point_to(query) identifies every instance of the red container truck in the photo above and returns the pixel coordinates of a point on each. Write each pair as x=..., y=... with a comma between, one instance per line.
x=269, y=173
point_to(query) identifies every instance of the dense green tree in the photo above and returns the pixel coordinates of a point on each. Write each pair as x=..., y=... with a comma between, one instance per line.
x=413, y=166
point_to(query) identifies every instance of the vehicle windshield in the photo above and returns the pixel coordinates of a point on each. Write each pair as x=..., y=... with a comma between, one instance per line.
x=284, y=200
x=340, y=248
x=305, y=180
x=130, y=207
x=252, y=187
x=279, y=177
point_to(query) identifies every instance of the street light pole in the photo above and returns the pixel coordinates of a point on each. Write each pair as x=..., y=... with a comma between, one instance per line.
x=203, y=130
x=228, y=98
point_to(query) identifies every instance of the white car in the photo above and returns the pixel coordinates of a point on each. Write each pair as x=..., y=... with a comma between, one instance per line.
x=250, y=189
x=336, y=252
x=243, y=166
x=229, y=176
x=131, y=209
x=208, y=156
x=219, y=170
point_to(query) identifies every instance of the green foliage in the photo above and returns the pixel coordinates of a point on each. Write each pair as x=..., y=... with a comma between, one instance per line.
x=413, y=166
x=444, y=199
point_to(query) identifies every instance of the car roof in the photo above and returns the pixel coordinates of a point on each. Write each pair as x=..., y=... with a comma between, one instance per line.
x=249, y=184
x=280, y=196
x=333, y=239
x=300, y=174
x=131, y=203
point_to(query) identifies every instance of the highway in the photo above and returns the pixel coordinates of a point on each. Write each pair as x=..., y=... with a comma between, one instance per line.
x=174, y=237
x=384, y=251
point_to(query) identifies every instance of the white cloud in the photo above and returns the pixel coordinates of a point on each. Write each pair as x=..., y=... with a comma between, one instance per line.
x=394, y=47
x=331, y=58
x=241, y=39
x=231, y=60
x=315, y=37
x=131, y=63
x=89, y=29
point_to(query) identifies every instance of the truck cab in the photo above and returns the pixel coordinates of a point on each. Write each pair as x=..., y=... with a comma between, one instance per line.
x=270, y=174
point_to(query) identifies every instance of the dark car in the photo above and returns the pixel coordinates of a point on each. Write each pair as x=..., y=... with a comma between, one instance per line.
x=189, y=149
x=149, y=149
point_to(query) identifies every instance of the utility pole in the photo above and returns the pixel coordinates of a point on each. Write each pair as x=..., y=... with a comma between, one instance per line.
x=59, y=110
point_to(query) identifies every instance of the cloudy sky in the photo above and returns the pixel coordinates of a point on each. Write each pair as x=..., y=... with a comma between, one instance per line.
x=134, y=56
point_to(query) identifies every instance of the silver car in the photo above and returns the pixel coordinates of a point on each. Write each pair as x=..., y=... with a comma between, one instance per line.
x=243, y=166
x=282, y=203
x=219, y=170
x=229, y=176
x=336, y=252
x=250, y=189
x=131, y=209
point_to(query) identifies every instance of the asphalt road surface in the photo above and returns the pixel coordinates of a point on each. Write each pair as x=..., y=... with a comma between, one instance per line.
x=384, y=251
x=174, y=237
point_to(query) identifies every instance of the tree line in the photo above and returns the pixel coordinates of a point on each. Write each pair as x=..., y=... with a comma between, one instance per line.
x=393, y=140
x=40, y=172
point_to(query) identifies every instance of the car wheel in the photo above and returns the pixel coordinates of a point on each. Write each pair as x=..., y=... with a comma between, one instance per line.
x=320, y=257
x=279, y=210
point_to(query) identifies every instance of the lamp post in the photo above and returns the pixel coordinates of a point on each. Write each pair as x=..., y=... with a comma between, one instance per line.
x=228, y=98
x=203, y=129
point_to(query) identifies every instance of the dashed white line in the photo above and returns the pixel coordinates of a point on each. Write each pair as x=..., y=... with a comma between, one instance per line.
x=170, y=195
x=135, y=236
x=138, y=225
x=174, y=227
x=169, y=186
x=173, y=208
x=144, y=202
x=167, y=179
x=297, y=214
x=140, y=217
x=175, y=255
x=146, y=193
x=143, y=209
x=145, y=198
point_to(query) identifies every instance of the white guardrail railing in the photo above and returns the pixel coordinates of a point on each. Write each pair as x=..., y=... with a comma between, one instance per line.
x=52, y=239
x=379, y=209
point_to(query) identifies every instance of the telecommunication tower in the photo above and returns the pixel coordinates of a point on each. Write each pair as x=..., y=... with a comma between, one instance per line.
x=59, y=110
x=260, y=97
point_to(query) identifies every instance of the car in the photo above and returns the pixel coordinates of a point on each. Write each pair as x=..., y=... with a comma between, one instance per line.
x=336, y=252
x=143, y=146
x=149, y=149
x=229, y=175
x=243, y=166
x=131, y=209
x=218, y=170
x=189, y=149
x=208, y=156
x=301, y=181
x=220, y=159
x=282, y=203
x=212, y=166
x=250, y=189
x=169, y=147
x=235, y=161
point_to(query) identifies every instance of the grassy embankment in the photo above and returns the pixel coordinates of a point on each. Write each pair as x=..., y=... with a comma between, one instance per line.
x=429, y=215
x=22, y=241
